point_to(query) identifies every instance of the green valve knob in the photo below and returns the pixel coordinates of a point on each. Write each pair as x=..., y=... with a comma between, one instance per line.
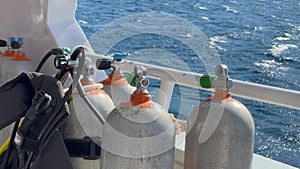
x=131, y=80
x=206, y=81
x=67, y=50
x=70, y=99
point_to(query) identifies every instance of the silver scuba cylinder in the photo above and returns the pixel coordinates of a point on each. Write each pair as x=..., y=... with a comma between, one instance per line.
x=220, y=131
x=97, y=96
x=82, y=121
x=138, y=134
x=115, y=84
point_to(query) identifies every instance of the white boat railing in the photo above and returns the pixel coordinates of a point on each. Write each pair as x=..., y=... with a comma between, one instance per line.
x=169, y=77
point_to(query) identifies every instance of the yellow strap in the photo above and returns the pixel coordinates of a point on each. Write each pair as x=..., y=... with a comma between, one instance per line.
x=4, y=145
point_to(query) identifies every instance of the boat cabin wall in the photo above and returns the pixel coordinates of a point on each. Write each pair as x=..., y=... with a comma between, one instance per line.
x=44, y=24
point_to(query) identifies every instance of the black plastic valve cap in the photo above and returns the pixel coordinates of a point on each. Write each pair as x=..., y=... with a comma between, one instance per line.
x=3, y=43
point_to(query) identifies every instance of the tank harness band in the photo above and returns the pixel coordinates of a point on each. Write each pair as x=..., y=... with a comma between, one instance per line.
x=85, y=148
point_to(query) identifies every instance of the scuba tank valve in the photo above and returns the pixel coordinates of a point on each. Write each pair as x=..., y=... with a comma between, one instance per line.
x=3, y=43
x=9, y=52
x=116, y=85
x=19, y=54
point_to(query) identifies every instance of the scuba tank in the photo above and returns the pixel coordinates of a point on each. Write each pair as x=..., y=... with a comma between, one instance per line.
x=95, y=94
x=82, y=122
x=97, y=97
x=82, y=126
x=220, y=131
x=138, y=133
x=116, y=85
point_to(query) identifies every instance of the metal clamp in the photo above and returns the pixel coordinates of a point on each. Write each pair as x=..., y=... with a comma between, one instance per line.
x=141, y=80
x=89, y=70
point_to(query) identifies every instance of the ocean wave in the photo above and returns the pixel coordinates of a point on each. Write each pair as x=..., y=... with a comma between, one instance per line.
x=259, y=28
x=82, y=22
x=229, y=9
x=295, y=27
x=188, y=35
x=199, y=6
x=285, y=37
x=214, y=40
x=267, y=64
x=217, y=39
x=205, y=18
x=273, y=68
x=280, y=48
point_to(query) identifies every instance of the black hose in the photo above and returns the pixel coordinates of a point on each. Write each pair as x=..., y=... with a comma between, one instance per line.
x=56, y=51
x=24, y=130
x=22, y=159
x=26, y=124
x=61, y=76
x=76, y=53
x=41, y=64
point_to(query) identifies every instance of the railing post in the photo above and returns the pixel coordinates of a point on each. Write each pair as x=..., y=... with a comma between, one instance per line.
x=165, y=93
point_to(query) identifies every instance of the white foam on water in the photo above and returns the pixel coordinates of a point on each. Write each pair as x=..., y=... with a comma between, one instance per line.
x=280, y=48
x=285, y=37
x=258, y=28
x=267, y=63
x=282, y=38
x=214, y=40
x=205, y=18
x=82, y=22
x=272, y=68
x=217, y=39
x=188, y=35
x=229, y=9
x=200, y=6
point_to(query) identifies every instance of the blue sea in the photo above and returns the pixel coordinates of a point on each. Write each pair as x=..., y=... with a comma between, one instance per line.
x=258, y=40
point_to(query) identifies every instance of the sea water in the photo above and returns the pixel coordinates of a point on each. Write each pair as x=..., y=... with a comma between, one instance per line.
x=259, y=40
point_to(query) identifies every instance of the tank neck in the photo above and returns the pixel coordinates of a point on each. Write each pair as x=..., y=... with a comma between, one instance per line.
x=86, y=82
x=140, y=99
x=220, y=94
x=115, y=79
x=90, y=87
